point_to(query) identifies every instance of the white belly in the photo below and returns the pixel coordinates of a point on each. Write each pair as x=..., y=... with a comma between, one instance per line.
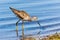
x=26, y=18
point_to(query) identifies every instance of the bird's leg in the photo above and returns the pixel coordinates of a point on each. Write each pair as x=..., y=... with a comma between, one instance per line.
x=23, y=30
x=17, y=27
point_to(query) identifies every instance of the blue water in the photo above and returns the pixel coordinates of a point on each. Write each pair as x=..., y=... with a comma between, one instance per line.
x=47, y=11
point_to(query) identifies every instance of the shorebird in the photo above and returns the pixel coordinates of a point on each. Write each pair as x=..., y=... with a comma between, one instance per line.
x=22, y=15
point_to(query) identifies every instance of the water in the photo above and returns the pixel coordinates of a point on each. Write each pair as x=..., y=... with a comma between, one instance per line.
x=47, y=11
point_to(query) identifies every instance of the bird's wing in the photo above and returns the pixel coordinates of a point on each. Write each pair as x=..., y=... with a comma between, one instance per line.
x=23, y=14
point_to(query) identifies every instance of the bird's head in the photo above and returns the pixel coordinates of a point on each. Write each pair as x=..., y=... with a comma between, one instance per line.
x=34, y=18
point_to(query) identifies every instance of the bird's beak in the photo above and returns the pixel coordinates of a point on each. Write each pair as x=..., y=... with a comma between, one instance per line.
x=39, y=26
x=38, y=23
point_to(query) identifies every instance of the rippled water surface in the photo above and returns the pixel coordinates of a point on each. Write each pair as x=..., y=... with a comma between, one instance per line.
x=47, y=11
